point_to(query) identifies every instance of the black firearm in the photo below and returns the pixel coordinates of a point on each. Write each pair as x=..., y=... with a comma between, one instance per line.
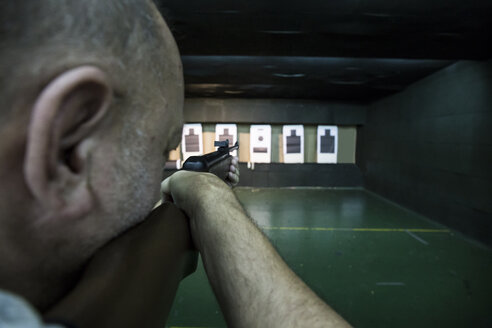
x=217, y=162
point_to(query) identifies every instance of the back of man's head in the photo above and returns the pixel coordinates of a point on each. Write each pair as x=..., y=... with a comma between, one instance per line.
x=41, y=38
x=91, y=97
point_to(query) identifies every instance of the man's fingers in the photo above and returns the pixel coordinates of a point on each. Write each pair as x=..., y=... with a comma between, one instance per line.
x=233, y=178
x=233, y=175
x=234, y=169
x=235, y=165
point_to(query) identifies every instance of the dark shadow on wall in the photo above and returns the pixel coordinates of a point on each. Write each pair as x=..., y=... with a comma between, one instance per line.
x=430, y=148
x=301, y=175
x=297, y=175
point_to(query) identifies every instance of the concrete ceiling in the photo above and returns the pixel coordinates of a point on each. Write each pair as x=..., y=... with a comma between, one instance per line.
x=343, y=50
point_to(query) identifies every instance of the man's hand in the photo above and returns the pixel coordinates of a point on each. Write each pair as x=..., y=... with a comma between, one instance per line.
x=228, y=170
x=199, y=194
x=233, y=176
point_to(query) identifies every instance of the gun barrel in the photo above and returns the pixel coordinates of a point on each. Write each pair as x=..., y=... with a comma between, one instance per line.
x=214, y=158
x=205, y=162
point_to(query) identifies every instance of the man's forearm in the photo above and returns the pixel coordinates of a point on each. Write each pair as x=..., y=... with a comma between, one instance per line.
x=253, y=285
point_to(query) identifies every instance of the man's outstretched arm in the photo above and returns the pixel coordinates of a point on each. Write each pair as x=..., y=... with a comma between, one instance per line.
x=254, y=286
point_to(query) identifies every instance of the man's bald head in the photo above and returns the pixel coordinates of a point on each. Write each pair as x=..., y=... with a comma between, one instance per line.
x=92, y=95
x=39, y=39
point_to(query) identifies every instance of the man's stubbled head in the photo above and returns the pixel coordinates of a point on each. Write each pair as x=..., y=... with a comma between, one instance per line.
x=92, y=95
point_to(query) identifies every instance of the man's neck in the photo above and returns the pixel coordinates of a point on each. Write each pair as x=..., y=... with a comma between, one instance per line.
x=29, y=276
x=40, y=290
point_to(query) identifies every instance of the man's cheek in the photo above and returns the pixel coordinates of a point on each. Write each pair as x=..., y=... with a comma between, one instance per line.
x=149, y=177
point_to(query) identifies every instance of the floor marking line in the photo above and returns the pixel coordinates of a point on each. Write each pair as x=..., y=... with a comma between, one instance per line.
x=390, y=283
x=417, y=238
x=409, y=231
x=292, y=228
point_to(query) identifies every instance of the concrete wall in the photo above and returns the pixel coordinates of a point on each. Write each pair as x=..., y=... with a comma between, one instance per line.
x=430, y=148
x=272, y=111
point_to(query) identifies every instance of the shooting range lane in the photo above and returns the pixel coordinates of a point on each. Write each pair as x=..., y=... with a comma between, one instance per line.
x=374, y=262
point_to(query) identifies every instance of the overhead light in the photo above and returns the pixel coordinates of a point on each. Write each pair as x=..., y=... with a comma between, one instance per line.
x=233, y=92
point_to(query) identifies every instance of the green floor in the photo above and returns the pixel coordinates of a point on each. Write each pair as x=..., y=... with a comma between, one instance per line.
x=374, y=262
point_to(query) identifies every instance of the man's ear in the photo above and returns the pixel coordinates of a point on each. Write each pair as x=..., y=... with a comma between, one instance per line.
x=64, y=117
